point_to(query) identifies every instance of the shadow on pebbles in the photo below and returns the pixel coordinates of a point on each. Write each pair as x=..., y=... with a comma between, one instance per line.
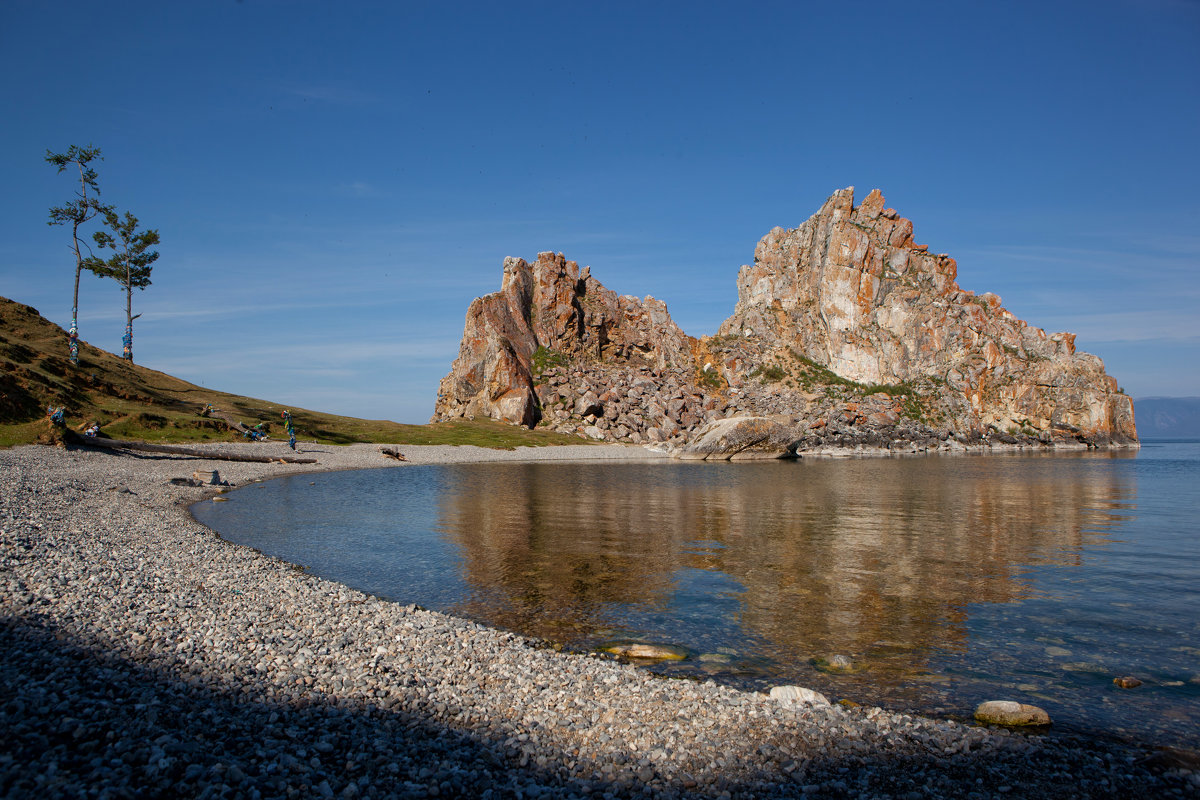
x=144, y=656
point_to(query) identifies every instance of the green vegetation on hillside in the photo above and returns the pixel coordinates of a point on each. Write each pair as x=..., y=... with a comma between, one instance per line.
x=133, y=402
x=544, y=358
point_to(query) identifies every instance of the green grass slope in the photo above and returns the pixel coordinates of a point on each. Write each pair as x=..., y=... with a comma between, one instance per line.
x=133, y=402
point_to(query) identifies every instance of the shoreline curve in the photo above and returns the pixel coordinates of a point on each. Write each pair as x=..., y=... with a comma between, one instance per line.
x=146, y=653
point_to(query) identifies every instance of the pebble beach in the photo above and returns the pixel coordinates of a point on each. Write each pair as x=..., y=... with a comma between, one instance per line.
x=144, y=656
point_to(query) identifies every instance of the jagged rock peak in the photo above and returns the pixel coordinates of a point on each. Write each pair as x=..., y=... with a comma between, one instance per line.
x=849, y=289
x=549, y=313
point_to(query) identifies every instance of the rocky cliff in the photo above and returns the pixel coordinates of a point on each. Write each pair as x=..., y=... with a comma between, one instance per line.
x=845, y=332
x=554, y=345
x=851, y=290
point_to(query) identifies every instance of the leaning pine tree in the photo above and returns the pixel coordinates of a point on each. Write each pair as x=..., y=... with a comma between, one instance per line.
x=75, y=213
x=130, y=264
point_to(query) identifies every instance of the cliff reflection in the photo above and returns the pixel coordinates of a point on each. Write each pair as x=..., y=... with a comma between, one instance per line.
x=877, y=559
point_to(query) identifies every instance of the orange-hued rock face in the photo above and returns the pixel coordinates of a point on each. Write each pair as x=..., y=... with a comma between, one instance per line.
x=842, y=309
x=550, y=304
x=850, y=290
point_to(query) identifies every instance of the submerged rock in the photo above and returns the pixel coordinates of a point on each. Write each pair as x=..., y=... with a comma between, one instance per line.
x=834, y=663
x=1011, y=713
x=648, y=651
x=715, y=658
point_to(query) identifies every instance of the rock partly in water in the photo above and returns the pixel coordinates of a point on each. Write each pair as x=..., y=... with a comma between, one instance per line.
x=834, y=663
x=798, y=695
x=741, y=439
x=660, y=652
x=1011, y=713
x=1127, y=682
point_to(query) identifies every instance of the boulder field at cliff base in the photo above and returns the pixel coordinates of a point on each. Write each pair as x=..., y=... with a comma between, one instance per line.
x=846, y=335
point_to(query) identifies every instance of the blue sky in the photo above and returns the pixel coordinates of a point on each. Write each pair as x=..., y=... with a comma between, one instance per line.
x=334, y=182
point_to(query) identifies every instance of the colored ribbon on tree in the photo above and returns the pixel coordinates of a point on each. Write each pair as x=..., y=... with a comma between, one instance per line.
x=73, y=340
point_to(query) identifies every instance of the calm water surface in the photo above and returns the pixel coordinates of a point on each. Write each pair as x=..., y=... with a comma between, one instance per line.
x=946, y=580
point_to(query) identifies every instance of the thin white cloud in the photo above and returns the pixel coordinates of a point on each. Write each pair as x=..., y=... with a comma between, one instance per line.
x=1163, y=325
x=341, y=357
x=330, y=92
x=1143, y=265
x=176, y=312
x=358, y=189
x=1180, y=245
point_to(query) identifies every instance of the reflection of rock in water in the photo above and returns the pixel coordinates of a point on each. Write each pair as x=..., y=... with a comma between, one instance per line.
x=548, y=548
x=875, y=558
x=862, y=553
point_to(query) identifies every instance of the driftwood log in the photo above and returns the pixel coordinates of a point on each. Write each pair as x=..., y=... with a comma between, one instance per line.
x=70, y=437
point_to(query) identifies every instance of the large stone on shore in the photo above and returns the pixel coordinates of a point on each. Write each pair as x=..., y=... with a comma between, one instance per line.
x=1011, y=713
x=800, y=695
x=741, y=439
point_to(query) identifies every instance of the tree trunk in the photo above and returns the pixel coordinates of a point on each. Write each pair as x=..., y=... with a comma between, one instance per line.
x=73, y=333
x=127, y=340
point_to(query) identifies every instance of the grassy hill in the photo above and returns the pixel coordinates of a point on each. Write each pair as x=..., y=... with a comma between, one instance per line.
x=133, y=402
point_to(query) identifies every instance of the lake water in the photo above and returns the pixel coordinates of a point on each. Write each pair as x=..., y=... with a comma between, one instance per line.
x=946, y=580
